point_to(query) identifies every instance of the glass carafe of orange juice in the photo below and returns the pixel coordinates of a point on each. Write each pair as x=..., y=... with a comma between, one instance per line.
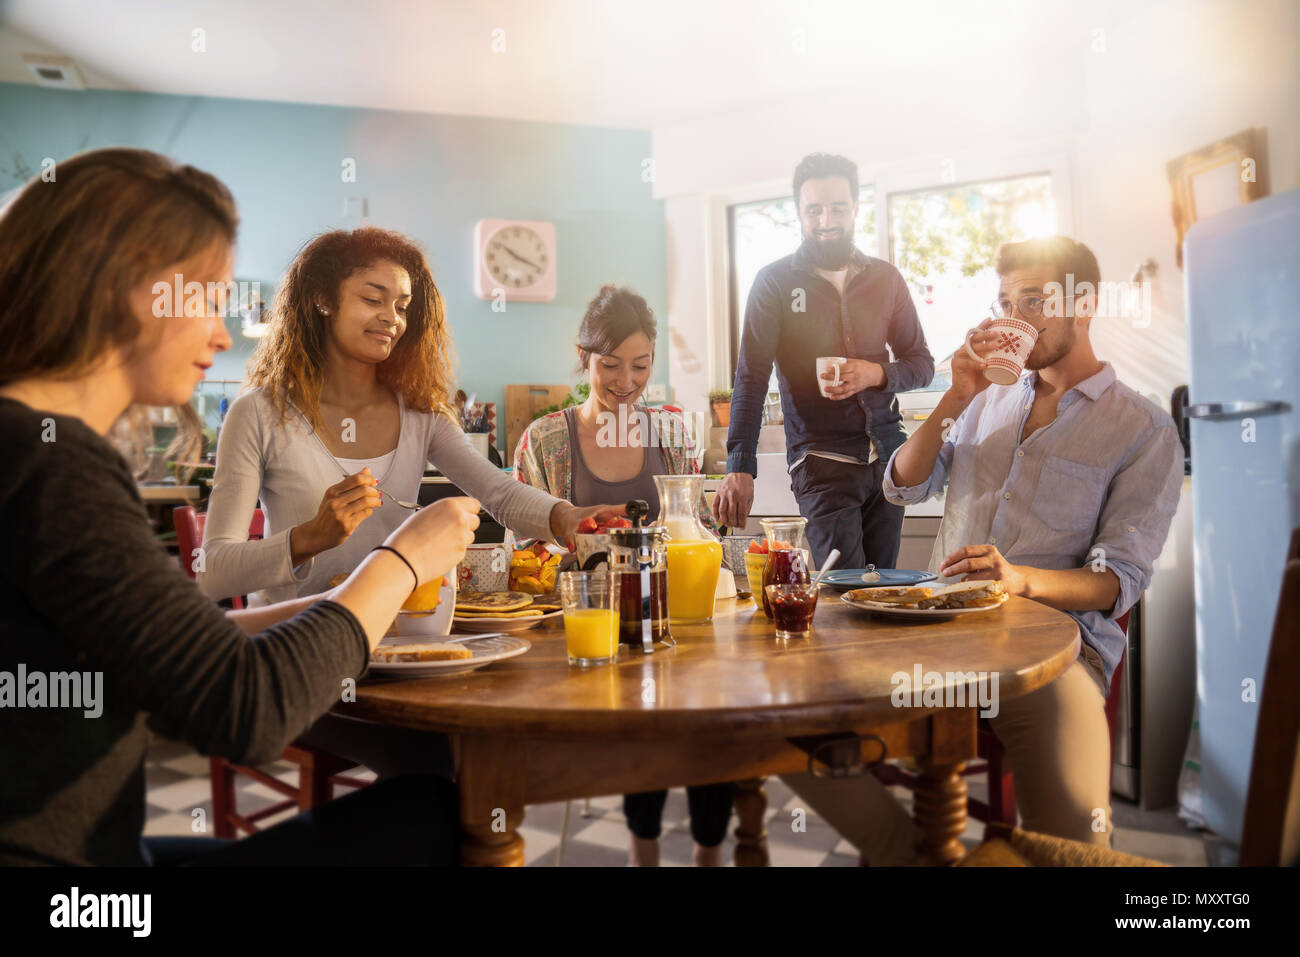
x=694, y=554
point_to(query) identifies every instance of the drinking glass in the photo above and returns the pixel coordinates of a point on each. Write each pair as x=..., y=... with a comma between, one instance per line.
x=793, y=605
x=590, y=620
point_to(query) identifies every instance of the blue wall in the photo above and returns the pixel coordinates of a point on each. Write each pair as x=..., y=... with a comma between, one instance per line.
x=430, y=176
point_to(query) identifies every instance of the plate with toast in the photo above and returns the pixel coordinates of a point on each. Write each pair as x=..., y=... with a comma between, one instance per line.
x=932, y=601
x=421, y=657
x=507, y=611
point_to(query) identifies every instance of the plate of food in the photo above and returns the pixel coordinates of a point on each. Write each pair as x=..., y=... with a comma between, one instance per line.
x=507, y=611
x=929, y=602
x=847, y=579
x=421, y=657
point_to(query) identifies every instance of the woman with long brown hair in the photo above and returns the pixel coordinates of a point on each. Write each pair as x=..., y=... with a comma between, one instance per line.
x=349, y=403
x=109, y=635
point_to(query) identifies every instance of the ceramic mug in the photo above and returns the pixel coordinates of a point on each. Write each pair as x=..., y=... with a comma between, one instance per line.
x=1014, y=340
x=485, y=567
x=829, y=364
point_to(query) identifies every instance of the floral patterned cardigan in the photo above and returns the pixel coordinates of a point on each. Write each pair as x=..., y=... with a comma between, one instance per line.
x=544, y=456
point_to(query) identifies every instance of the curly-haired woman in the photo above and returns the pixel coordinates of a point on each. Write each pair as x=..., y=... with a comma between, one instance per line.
x=349, y=403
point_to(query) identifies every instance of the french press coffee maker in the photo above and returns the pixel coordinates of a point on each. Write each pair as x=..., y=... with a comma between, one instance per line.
x=638, y=580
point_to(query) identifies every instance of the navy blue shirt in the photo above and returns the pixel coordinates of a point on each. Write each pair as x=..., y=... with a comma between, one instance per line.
x=794, y=316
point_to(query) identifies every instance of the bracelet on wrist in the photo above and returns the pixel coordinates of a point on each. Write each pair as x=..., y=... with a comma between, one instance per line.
x=390, y=548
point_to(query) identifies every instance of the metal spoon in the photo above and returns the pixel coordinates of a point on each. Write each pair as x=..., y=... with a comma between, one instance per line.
x=827, y=565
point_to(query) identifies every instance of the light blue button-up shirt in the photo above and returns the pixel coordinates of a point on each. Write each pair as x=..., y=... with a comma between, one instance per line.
x=1099, y=484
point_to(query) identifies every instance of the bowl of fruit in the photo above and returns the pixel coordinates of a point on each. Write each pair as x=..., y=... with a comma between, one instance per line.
x=532, y=569
x=756, y=565
x=593, y=538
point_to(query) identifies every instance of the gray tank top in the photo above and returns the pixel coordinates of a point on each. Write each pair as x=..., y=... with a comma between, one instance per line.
x=590, y=490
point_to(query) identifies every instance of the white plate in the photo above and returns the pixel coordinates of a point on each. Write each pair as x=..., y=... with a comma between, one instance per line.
x=484, y=650
x=504, y=624
x=916, y=614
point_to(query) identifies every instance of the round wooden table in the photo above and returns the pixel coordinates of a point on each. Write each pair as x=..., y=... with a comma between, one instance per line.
x=730, y=702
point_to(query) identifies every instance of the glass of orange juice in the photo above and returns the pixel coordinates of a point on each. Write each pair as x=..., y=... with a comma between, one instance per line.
x=590, y=620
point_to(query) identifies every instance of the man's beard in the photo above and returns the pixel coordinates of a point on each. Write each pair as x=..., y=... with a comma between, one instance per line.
x=830, y=253
x=1051, y=356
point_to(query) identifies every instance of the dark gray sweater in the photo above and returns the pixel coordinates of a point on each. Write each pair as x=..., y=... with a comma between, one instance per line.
x=85, y=588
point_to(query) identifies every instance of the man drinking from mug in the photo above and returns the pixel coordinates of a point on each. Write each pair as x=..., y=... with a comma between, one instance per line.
x=827, y=299
x=1061, y=485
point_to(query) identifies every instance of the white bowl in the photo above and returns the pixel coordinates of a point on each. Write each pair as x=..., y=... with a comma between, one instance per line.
x=438, y=622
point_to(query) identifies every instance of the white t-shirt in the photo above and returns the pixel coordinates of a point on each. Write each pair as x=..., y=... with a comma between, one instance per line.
x=836, y=278
x=377, y=466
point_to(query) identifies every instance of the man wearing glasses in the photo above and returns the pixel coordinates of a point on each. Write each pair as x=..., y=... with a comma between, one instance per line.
x=828, y=299
x=1062, y=486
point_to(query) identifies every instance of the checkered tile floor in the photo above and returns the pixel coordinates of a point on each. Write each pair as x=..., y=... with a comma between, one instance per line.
x=177, y=785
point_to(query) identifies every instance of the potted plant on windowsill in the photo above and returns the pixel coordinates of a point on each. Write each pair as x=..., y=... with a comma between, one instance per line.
x=720, y=399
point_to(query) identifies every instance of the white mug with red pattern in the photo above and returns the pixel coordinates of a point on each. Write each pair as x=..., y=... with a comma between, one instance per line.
x=1013, y=340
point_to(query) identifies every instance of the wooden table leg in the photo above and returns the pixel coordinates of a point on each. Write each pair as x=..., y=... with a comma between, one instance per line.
x=939, y=806
x=490, y=777
x=751, y=833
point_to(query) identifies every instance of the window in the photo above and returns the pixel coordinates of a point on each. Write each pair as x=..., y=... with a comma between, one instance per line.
x=942, y=239
x=763, y=232
x=944, y=242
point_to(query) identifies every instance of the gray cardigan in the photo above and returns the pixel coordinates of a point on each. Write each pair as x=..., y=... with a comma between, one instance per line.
x=287, y=467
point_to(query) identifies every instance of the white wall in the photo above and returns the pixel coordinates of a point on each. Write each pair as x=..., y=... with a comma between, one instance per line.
x=1167, y=80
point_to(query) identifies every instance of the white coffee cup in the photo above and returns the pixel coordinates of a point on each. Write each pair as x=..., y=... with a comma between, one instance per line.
x=1014, y=340
x=828, y=364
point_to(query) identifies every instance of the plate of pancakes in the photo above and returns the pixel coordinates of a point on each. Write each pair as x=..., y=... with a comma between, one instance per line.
x=507, y=611
x=930, y=602
x=421, y=657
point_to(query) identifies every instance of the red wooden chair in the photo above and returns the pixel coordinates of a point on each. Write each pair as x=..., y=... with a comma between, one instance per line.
x=189, y=536
x=1000, y=809
x=318, y=771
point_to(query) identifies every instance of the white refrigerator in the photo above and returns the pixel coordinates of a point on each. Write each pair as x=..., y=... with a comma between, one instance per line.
x=1243, y=316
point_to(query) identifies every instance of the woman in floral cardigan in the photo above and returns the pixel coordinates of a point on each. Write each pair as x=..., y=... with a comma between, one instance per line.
x=608, y=449
x=544, y=456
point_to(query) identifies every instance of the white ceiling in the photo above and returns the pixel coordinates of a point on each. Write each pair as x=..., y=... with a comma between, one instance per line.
x=630, y=63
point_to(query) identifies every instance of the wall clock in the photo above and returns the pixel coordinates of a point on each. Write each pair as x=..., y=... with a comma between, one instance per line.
x=514, y=258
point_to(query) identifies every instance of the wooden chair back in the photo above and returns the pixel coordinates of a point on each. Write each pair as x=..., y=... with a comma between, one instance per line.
x=1271, y=829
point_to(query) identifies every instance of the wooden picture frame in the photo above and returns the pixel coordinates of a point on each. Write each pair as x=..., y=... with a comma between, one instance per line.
x=1226, y=173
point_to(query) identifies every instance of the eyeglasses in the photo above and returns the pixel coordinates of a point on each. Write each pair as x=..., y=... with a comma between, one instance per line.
x=1031, y=307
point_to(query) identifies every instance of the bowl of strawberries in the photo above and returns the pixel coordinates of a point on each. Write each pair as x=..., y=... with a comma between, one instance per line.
x=593, y=538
